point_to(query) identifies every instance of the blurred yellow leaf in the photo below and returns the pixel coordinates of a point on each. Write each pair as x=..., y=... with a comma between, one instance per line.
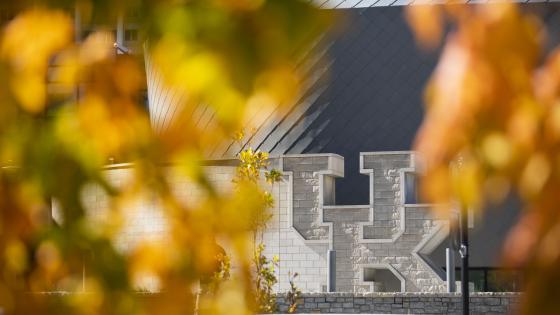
x=427, y=23
x=16, y=256
x=29, y=42
x=48, y=257
x=497, y=150
x=535, y=174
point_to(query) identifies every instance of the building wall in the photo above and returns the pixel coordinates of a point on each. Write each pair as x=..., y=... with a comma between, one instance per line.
x=384, y=234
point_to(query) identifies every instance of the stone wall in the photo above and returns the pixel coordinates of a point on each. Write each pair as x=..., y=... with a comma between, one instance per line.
x=403, y=303
x=143, y=216
x=387, y=234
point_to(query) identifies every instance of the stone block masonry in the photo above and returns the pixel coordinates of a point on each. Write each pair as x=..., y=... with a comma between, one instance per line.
x=402, y=303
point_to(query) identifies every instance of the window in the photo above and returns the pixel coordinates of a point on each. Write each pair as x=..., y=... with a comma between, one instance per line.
x=132, y=14
x=86, y=33
x=410, y=188
x=6, y=15
x=488, y=279
x=144, y=100
x=110, y=35
x=329, y=190
x=130, y=35
x=383, y=279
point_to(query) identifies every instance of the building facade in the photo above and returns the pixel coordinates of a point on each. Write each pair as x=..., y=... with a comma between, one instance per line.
x=376, y=247
x=346, y=215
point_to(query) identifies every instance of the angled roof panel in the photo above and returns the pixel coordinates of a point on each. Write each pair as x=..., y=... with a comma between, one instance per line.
x=362, y=91
x=345, y=4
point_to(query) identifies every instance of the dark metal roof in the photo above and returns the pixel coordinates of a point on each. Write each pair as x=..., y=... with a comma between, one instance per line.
x=369, y=99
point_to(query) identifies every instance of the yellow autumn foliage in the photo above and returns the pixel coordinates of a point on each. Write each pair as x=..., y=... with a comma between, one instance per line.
x=71, y=110
x=491, y=129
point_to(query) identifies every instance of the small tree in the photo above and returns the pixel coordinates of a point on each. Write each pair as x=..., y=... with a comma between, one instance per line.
x=265, y=279
x=222, y=274
x=293, y=295
x=252, y=163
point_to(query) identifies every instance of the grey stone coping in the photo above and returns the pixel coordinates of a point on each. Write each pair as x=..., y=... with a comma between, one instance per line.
x=404, y=294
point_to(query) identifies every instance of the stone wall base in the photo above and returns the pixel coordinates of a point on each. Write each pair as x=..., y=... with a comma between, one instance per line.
x=403, y=303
